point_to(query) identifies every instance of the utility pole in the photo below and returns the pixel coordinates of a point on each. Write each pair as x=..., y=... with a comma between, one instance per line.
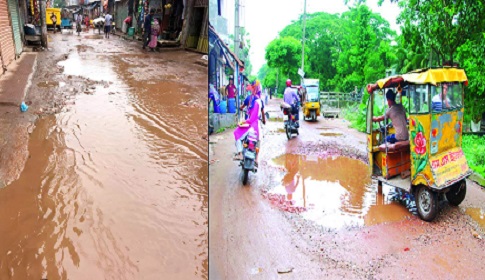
x=236, y=52
x=43, y=23
x=303, y=40
x=236, y=29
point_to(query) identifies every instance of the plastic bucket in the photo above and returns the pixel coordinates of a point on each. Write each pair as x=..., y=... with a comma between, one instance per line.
x=223, y=107
x=232, y=105
x=131, y=31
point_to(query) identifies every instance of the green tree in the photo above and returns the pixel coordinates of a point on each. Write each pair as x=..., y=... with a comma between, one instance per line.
x=284, y=54
x=320, y=35
x=442, y=25
x=364, y=50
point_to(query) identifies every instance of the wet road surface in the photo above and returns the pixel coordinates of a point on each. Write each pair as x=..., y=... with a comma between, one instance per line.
x=115, y=185
x=313, y=212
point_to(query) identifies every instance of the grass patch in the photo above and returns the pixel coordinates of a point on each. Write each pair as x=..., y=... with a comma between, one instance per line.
x=474, y=149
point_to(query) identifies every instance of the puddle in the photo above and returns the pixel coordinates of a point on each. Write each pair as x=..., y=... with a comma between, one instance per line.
x=83, y=48
x=47, y=84
x=94, y=36
x=82, y=65
x=331, y=134
x=334, y=192
x=112, y=184
x=478, y=215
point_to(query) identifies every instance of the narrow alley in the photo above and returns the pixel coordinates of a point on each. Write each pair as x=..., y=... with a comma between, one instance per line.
x=105, y=176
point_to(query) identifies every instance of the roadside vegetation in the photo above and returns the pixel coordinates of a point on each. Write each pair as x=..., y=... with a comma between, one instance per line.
x=358, y=47
x=474, y=149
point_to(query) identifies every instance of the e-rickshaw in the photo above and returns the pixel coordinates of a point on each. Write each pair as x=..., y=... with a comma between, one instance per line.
x=431, y=163
x=311, y=101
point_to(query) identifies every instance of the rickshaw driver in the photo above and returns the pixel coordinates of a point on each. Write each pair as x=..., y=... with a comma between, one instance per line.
x=397, y=114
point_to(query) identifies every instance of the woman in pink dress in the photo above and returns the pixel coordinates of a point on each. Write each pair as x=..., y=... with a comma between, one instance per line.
x=252, y=123
x=154, y=34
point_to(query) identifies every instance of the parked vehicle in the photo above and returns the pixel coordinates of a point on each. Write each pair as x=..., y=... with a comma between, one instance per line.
x=431, y=164
x=48, y=14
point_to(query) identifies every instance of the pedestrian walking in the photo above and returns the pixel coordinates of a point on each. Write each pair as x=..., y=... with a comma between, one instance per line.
x=155, y=30
x=54, y=21
x=107, y=24
x=147, y=26
x=86, y=22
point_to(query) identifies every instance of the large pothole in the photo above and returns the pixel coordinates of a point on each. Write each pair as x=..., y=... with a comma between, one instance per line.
x=334, y=192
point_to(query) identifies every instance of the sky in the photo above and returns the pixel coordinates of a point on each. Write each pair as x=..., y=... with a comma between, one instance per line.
x=280, y=13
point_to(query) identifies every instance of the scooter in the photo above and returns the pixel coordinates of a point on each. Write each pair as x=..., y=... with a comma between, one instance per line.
x=249, y=155
x=291, y=125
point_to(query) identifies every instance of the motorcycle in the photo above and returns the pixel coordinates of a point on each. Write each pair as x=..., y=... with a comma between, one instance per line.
x=291, y=125
x=249, y=155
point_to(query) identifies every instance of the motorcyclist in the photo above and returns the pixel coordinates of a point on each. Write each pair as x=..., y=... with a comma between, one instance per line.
x=256, y=114
x=291, y=98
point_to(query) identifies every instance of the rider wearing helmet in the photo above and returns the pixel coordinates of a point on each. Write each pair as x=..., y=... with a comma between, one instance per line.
x=291, y=97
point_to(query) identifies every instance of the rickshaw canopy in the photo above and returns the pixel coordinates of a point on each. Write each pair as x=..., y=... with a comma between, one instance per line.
x=432, y=76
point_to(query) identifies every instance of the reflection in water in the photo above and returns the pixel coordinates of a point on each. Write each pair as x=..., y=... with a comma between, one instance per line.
x=335, y=192
x=477, y=214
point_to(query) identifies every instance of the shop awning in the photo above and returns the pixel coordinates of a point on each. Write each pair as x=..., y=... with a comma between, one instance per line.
x=227, y=51
x=91, y=6
x=73, y=10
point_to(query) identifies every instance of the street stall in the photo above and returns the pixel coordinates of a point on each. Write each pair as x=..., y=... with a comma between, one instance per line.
x=32, y=28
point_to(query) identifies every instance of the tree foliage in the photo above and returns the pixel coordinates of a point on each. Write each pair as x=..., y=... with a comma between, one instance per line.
x=343, y=51
x=443, y=25
x=284, y=54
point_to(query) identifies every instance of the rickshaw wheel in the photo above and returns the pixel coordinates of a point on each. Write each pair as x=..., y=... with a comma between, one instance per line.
x=457, y=193
x=426, y=203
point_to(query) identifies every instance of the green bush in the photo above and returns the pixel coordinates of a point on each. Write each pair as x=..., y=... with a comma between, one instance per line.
x=474, y=148
x=356, y=114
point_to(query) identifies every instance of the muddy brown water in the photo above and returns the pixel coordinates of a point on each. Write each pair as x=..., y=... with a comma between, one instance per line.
x=48, y=84
x=478, y=215
x=334, y=192
x=331, y=134
x=113, y=187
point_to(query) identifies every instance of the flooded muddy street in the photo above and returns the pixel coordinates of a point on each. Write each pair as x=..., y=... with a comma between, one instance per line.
x=312, y=211
x=115, y=181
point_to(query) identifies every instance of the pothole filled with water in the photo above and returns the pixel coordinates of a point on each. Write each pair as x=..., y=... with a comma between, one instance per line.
x=48, y=84
x=331, y=134
x=334, y=192
x=478, y=215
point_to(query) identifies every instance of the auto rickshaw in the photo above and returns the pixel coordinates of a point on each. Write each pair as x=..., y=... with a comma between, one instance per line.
x=311, y=99
x=431, y=164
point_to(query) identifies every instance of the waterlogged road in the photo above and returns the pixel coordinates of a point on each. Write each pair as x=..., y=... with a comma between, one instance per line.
x=313, y=212
x=115, y=185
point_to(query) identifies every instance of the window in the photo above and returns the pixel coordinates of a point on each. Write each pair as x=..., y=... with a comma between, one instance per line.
x=312, y=94
x=418, y=99
x=446, y=97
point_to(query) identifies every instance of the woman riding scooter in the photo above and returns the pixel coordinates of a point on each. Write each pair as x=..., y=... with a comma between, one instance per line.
x=252, y=123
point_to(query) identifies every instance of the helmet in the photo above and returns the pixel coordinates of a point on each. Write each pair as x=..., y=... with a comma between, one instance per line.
x=288, y=83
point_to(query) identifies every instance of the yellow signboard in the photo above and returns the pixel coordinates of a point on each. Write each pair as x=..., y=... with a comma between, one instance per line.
x=449, y=166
